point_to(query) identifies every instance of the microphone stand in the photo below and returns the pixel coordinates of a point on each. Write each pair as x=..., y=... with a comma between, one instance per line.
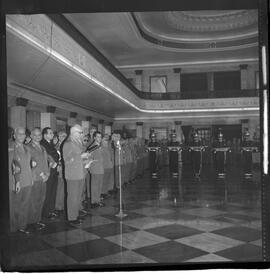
x=121, y=214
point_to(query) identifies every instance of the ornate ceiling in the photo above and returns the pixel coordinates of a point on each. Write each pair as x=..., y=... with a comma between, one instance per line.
x=209, y=21
x=199, y=30
x=172, y=38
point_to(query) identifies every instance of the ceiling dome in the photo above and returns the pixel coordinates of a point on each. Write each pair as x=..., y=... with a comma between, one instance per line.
x=209, y=21
x=199, y=30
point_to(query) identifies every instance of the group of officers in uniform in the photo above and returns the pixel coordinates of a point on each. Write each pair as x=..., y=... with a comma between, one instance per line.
x=73, y=174
x=76, y=172
x=195, y=147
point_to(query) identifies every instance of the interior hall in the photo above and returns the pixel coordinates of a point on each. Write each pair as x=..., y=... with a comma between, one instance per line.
x=134, y=138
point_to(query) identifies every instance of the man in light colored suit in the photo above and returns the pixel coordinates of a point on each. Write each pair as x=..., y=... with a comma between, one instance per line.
x=41, y=174
x=75, y=172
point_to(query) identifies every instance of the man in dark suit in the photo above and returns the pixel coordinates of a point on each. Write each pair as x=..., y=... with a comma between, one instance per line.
x=51, y=184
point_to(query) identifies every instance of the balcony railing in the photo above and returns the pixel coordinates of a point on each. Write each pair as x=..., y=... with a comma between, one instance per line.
x=198, y=94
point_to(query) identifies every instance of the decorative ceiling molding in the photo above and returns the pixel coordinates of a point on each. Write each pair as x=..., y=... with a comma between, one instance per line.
x=202, y=39
x=64, y=47
x=210, y=115
x=211, y=21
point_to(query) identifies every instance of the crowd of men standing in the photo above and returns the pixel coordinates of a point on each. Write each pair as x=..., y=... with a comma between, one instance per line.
x=51, y=173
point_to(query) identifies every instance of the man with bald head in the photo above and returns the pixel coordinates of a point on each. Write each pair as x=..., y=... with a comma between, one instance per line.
x=74, y=159
x=40, y=176
x=21, y=183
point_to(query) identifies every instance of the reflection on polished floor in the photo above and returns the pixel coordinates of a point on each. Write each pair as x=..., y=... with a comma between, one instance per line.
x=183, y=220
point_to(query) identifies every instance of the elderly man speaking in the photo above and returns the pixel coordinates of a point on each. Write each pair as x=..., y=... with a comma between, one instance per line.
x=74, y=160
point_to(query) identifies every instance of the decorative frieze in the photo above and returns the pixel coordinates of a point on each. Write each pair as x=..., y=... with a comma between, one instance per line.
x=202, y=103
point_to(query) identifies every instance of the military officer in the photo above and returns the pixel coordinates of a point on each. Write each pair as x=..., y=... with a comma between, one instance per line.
x=107, y=155
x=118, y=160
x=97, y=170
x=153, y=148
x=247, y=148
x=21, y=183
x=40, y=176
x=196, y=154
x=220, y=155
x=173, y=148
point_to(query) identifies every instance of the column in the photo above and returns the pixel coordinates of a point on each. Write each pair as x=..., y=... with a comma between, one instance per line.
x=108, y=128
x=101, y=126
x=177, y=87
x=244, y=76
x=179, y=133
x=245, y=124
x=86, y=125
x=138, y=79
x=210, y=84
x=139, y=129
x=48, y=119
x=72, y=119
x=18, y=113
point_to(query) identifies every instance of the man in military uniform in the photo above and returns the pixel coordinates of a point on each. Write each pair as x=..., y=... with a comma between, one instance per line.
x=97, y=170
x=21, y=181
x=247, y=148
x=40, y=176
x=173, y=149
x=118, y=159
x=196, y=154
x=51, y=184
x=107, y=155
x=153, y=148
x=220, y=154
x=74, y=159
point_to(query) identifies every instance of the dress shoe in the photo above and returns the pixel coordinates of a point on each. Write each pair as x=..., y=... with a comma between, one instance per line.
x=76, y=222
x=94, y=205
x=40, y=226
x=101, y=204
x=24, y=231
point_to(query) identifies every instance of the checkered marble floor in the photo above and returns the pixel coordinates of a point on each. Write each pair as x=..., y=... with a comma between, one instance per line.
x=168, y=221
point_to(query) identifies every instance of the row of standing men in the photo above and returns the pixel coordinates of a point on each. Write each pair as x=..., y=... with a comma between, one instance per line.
x=44, y=174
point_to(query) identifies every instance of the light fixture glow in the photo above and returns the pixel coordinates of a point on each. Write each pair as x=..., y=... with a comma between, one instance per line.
x=265, y=132
x=193, y=63
x=92, y=79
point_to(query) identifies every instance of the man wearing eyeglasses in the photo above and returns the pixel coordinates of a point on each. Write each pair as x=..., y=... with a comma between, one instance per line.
x=74, y=160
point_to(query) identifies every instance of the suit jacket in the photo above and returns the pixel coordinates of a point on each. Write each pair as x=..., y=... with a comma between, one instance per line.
x=21, y=156
x=51, y=151
x=107, y=157
x=74, y=168
x=97, y=167
x=39, y=155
